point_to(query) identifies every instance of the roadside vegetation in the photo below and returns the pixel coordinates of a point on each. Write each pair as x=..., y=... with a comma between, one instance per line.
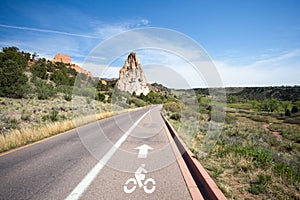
x=257, y=155
x=39, y=98
x=36, y=98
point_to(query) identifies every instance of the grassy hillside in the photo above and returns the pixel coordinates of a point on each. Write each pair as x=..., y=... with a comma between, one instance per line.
x=39, y=98
x=281, y=93
x=257, y=153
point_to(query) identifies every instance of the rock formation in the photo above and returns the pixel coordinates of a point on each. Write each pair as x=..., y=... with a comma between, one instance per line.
x=131, y=77
x=62, y=58
x=67, y=60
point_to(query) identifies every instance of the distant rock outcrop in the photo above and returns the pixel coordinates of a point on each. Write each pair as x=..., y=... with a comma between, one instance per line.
x=132, y=78
x=62, y=58
x=67, y=60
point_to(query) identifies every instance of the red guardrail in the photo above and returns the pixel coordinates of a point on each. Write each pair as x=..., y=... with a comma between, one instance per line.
x=205, y=184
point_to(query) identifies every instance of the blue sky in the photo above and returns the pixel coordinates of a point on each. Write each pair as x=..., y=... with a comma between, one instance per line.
x=251, y=43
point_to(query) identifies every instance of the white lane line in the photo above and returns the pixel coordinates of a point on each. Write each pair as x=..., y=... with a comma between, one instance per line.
x=88, y=179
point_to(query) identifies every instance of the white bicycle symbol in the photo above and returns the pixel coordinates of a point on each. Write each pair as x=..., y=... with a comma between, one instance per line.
x=139, y=178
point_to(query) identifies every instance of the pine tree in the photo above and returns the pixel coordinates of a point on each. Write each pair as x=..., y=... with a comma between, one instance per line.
x=13, y=81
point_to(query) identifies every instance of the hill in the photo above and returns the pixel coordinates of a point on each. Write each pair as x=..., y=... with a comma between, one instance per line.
x=281, y=93
x=59, y=58
x=23, y=75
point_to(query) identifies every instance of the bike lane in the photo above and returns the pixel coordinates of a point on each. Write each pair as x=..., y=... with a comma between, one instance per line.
x=143, y=167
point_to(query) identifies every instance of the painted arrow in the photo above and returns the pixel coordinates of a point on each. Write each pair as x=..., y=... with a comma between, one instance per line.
x=143, y=150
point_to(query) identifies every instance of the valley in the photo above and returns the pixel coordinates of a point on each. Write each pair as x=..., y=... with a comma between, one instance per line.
x=255, y=156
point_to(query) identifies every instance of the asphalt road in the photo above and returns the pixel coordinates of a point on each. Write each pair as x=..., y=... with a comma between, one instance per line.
x=124, y=157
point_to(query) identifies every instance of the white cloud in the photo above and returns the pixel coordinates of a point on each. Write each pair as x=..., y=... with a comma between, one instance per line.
x=168, y=49
x=280, y=70
x=166, y=58
x=105, y=30
x=172, y=71
x=45, y=31
x=47, y=42
x=159, y=66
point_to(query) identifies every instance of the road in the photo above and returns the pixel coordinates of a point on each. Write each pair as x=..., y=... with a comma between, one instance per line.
x=107, y=159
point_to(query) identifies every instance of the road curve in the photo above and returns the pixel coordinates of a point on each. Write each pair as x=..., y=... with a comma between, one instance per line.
x=141, y=163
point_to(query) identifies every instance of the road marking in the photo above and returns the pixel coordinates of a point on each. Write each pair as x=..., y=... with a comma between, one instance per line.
x=88, y=179
x=140, y=175
x=143, y=150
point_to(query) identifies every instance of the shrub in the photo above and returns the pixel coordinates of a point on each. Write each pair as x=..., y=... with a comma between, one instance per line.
x=260, y=186
x=298, y=104
x=286, y=105
x=254, y=104
x=289, y=146
x=68, y=94
x=136, y=101
x=54, y=115
x=88, y=100
x=261, y=157
x=61, y=77
x=172, y=107
x=269, y=105
x=287, y=174
x=100, y=96
x=175, y=116
x=10, y=123
x=287, y=113
x=232, y=99
x=257, y=188
x=85, y=92
x=294, y=109
x=44, y=90
x=25, y=115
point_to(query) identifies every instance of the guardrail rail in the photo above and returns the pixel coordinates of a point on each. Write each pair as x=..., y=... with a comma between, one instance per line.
x=204, y=183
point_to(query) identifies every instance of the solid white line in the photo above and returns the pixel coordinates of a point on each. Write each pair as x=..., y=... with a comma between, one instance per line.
x=88, y=179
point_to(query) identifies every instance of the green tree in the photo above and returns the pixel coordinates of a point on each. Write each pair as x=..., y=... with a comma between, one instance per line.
x=39, y=69
x=100, y=96
x=26, y=55
x=254, y=104
x=286, y=105
x=232, y=99
x=13, y=81
x=67, y=93
x=50, y=66
x=270, y=105
x=273, y=105
x=12, y=53
x=297, y=103
x=34, y=56
x=102, y=87
x=44, y=90
x=294, y=109
x=12, y=67
x=287, y=112
x=60, y=77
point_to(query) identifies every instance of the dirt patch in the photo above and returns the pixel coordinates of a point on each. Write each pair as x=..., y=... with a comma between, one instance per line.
x=277, y=134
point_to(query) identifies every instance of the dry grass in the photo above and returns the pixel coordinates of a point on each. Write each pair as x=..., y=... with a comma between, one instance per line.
x=28, y=120
x=17, y=138
x=249, y=162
